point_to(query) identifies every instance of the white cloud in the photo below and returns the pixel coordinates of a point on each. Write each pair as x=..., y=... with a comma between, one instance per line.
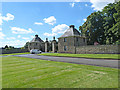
x=25, y=38
x=50, y=34
x=38, y=23
x=10, y=38
x=17, y=30
x=0, y=29
x=19, y=36
x=15, y=43
x=85, y=19
x=77, y=0
x=60, y=28
x=86, y=5
x=72, y=4
x=1, y=19
x=2, y=35
x=50, y=20
x=32, y=36
x=100, y=4
x=96, y=4
x=8, y=17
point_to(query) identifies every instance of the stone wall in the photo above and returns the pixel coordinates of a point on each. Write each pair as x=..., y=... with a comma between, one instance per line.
x=7, y=51
x=92, y=49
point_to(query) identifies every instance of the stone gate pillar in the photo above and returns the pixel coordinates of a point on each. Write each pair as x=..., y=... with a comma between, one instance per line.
x=46, y=45
x=54, y=45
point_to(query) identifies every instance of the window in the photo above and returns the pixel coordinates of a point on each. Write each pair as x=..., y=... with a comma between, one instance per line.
x=77, y=39
x=83, y=39
x=36, y=44
x=65, y=48
x=64, y=39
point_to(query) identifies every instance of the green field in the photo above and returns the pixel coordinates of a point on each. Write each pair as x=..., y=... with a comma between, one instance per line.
x=102, y=56
x=19, y=72
x=15, y=54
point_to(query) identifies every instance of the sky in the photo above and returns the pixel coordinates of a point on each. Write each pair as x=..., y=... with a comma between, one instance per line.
x=21, y=21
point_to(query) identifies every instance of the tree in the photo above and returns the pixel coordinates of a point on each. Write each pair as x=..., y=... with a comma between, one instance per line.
x=26, y=45
x=109, y=12
x=11, y=47
x=116, y=27
x=103, y=27
x=6, y=46
x=93, y=28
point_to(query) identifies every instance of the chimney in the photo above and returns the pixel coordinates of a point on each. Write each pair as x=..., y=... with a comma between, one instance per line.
x=72, y=26
x=46, y=39
x=36, y=35
x=53, y=38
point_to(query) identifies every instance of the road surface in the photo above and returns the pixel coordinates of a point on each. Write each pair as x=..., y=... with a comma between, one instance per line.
x=94, y=62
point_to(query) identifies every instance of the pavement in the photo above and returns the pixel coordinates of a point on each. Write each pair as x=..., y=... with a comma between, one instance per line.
x=85, y=61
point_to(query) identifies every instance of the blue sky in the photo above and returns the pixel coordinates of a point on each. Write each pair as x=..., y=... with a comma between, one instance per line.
x=20, y=21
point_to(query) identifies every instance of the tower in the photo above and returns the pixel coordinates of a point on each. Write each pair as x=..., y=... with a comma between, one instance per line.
x=46, y=45
x=54, y=44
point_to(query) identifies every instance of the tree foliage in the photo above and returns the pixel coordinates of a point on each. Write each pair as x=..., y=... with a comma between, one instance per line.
x=103, y=26
x=26, y=45
x=6, y=46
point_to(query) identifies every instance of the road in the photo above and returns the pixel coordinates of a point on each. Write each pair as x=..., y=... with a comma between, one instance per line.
x=94, y=62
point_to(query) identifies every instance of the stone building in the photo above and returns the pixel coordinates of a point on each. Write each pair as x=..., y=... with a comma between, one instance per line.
x=71, y=39
x=67, y=43
x=36, y=43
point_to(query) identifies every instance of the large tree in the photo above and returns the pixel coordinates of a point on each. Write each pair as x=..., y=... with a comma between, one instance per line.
x=109, y=12
x=103, y=27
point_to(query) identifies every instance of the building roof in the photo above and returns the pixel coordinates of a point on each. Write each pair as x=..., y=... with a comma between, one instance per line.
x=36, y=39
x=71, y=31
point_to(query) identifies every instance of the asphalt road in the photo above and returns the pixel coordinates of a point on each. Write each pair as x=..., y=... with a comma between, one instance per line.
x=94, y=62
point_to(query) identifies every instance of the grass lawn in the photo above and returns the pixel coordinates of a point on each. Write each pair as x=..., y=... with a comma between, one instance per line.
x=19, y=72
x=102, y=56
x=15, y=54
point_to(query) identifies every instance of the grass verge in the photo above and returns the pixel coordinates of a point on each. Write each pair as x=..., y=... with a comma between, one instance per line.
x=101, y=56
x=19, y=72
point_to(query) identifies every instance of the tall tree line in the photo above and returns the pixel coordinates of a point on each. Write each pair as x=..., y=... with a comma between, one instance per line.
x=103, y=26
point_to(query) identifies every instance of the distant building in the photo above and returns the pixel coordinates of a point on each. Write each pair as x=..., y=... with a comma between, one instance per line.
x=71, y=39
x=36, y=43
